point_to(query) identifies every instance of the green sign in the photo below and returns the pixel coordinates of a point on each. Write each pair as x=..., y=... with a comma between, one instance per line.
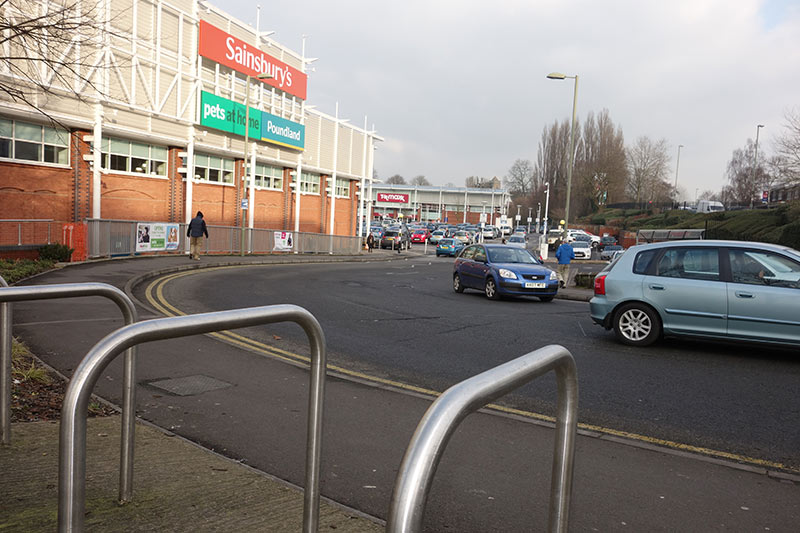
x=226, y=115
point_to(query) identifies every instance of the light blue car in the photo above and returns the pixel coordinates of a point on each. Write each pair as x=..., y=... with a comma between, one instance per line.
x=727, y=290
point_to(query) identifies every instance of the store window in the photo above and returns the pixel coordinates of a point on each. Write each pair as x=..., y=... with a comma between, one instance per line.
x=269, y=177
x=129, y=156
x=309, y=183
x=342, y=187
x=33, y=142
x=213, y=168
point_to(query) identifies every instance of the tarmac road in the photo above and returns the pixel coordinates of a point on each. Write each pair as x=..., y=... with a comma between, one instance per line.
x=493, y=477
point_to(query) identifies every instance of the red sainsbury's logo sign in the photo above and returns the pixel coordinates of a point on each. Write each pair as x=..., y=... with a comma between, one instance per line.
x=392, y=197
x=227, y=50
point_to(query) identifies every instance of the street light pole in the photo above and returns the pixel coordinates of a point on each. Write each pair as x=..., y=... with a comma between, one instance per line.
x=677, y=166
x=755, y=163
x=246, y=142
x=559, y=76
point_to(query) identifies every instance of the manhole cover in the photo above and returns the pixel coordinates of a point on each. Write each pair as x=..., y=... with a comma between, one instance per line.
x=189, y=385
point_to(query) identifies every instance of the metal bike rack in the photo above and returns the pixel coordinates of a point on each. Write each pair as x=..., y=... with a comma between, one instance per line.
x=72, y=443
x=440, y=421
x=5, y=369
x=74, y=290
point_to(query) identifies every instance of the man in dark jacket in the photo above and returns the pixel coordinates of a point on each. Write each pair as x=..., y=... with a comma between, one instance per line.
x=197, y=228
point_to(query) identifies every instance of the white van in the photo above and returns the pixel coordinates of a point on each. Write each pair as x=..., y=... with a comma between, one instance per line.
x=709, y=206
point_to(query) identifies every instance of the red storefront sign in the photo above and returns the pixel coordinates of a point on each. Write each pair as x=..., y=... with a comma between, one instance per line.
x=227, y=50
x=392, y=197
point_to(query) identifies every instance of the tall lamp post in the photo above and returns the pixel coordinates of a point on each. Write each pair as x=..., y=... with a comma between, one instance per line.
x=560, y=76
x=543, y=239
x=677, y=166
x=246, y=142
x=755, y=162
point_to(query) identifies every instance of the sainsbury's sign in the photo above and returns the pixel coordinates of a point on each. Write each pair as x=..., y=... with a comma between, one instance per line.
x=227, y=50
x=392, y=197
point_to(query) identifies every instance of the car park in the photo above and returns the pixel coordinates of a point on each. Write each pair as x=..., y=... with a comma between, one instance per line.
x=517, y=241
x=499, y=270
x=449, y=246
x=582, y=249
x=726, y=290
x=608, y=251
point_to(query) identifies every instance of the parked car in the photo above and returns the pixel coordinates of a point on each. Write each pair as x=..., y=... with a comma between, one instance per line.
x=582, y=249
x=500, y=270
x=616, y=254
x=608, y=251
x=463, y=236
x=606, y=241
x=489, y=232
x=437, y=235
x=729, y=290
x=420, y=235
x=517, y=241
x=395, y=238
x=449, y=247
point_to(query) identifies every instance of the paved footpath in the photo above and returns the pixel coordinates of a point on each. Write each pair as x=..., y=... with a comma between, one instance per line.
x=494, y=476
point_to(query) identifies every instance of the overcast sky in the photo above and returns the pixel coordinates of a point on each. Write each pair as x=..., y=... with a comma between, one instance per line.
x=459, y=88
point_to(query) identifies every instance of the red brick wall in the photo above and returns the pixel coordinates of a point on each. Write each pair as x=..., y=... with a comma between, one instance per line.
x=35, y=191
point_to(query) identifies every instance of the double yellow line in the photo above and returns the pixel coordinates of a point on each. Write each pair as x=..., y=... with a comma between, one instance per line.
x=154, y=294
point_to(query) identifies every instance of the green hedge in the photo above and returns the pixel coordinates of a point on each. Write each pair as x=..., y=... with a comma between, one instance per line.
x=55, y=252
x=15, y=270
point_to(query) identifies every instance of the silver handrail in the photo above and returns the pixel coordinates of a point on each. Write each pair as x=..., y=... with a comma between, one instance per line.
x=72, y=443
x=75, y=290
x=5, y=369
x=440, y=421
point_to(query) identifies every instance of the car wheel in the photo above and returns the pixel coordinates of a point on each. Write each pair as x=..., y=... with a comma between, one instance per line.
x=637, y=325
x=457, y=286
x=490, y=289
x=546, y=298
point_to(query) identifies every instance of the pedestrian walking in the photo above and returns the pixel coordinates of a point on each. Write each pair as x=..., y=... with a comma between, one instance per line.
x=197, y=228
x=370, y=241
x=564, y=254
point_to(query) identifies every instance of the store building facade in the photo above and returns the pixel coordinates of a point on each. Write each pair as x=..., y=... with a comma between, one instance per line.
x=181, y=94
x=438, y=204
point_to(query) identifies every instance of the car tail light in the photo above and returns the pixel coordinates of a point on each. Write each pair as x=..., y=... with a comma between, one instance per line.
x=600, y=285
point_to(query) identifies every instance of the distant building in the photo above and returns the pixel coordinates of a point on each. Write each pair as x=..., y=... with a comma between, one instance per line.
x=438, y=204
x=784, y=193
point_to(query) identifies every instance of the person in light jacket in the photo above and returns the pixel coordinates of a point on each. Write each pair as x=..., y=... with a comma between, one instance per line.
x=197, y=228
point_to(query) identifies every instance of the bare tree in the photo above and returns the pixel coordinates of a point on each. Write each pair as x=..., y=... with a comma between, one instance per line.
x=746, y=176
x=786, y=164
x=397, y=179
x=52, y=47
x=420, y=180
x=520, y=177
x=648, y=171
x=601, y=167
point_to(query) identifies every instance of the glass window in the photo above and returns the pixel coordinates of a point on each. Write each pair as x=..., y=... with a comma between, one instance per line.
x=480, y=254
x=213, y=168
x=127, y=156
x=756, y=267
x=469, y=252
x=342, y=187
x=309, y=183
x=33, y=142
x=689, y=263
x=269, y=177
x=642, y=262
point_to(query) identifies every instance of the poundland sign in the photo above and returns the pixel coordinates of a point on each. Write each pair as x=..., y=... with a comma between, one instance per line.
x=227, y=50
x=226, y=115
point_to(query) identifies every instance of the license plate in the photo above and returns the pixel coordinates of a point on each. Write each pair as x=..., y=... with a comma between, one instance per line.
x=529, y=285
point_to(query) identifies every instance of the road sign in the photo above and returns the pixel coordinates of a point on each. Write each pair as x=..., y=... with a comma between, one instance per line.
x=244, y=203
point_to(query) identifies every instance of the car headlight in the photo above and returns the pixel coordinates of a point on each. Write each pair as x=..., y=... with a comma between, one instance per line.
x=505, y=273
x=553, y=275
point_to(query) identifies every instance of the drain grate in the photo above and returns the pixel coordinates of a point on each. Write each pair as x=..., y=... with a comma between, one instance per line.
x=189, y=385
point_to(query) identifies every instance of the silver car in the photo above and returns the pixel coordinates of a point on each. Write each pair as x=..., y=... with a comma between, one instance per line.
x=729, y=290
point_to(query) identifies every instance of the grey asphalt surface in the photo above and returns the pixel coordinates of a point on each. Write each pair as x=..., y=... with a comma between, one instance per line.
x=493, y=477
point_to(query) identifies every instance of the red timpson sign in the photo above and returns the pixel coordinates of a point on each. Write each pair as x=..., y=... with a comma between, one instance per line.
x=392, y=197
x=227, y=50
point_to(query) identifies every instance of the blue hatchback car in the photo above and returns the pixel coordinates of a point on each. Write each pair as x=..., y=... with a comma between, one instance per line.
x=726, y=290
x=449, y=247
x=500, y=270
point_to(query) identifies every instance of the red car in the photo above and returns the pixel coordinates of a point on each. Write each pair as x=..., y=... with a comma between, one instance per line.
x=420, y=235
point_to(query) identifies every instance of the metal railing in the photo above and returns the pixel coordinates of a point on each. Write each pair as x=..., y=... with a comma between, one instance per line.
x=440, y=421
x=75, y=290
x=72, y=443
x=108, y=238
x=20, y=232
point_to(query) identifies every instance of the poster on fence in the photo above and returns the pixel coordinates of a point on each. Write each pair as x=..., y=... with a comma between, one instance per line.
x=156, y=237
x=283, y=241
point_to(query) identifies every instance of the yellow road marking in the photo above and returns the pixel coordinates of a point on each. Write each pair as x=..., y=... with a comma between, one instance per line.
x=159, y=302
